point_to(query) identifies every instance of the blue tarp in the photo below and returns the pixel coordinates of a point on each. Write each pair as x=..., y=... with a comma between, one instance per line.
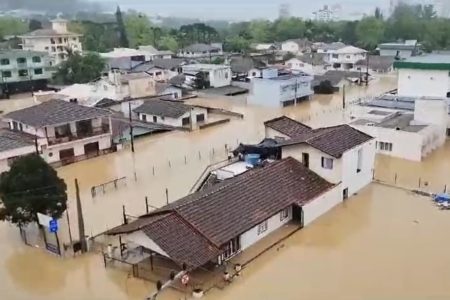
x=442, y=198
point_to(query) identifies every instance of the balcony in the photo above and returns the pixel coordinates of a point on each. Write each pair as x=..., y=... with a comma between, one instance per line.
x=61, y=139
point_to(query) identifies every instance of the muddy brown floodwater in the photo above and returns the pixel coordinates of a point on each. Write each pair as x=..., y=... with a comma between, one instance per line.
x=383, y=243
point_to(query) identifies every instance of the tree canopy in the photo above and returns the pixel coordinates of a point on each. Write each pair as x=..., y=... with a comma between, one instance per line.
x=12, y=26
x=79, y=68
x=31, y=186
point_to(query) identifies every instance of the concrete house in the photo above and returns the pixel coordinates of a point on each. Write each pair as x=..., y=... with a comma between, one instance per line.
x=296, y=46
x=216, y=75
x=64, y=132
x=345, y=58
x=212, y=226
x=340, y=154
x=13, y=145
x=377, y=64
x=171, y=113
x=406, y=135
x=23, y=70
x=426, y=75
x=55, y=41
x=200, y=51
x=279, y=91
x=401, y=50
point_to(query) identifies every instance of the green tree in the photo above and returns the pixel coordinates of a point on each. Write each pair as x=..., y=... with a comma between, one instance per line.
x=139, y=30
x=98, y=37
x=261, y=31
x=12, y=26
x=378, y=14
x=168, y=42
x=121, y=29
x=79, y=68
x=370, y=32
x=31, y=186
x=289, y=28
x=236, y=44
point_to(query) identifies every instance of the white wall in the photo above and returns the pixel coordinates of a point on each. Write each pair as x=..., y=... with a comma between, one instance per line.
x=315, y=161
x=406, y=145
x=179, y=121
x=419, y=83
x=272, y=133
x=393, y=52
x=352, y=179
x=251, y=236
x=14, y=153
x=296, y=64
x=290, y=46
x=141, y=239
x=220, y=77
x=321, y=205
x=104, y=142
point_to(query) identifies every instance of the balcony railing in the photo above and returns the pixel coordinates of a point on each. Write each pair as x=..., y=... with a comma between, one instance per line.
x=79, y=136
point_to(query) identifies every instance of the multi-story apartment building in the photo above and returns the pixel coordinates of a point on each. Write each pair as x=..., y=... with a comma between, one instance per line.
x=56, y=41
x=22, y=70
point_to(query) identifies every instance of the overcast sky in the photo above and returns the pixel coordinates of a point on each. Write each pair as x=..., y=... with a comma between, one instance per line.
x=241, y=9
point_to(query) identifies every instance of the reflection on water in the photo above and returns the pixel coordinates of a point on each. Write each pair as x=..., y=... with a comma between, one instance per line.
x=382, y=236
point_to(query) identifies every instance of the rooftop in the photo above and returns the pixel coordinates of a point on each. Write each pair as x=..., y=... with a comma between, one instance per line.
x=167, y=64
x=10, y=140
x=334, y=141
x=288, y=126
x=48, y=33
x=377, y=62
x=398, y=121
x=164, y=108
x=425, y=62
x=55, y=112
x=200, y=48
x=350, y=50
x=204, y=67
x=197, y=225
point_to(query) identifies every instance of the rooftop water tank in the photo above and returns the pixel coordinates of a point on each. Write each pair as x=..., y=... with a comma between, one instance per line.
x=252, y=159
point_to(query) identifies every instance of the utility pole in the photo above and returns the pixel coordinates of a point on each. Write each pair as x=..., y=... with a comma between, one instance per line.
x=131, y=127
x=367, y=69
x=343, y=97
x=80, y=218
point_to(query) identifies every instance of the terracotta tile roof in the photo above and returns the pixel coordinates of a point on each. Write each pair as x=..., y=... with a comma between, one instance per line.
x=333, y=141
x=55, y=112
x=288, y=126
x=228, y=209
x=181, y=242
x=192, y=229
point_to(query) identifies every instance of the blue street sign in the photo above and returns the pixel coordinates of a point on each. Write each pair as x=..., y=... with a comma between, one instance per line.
x=53, y=225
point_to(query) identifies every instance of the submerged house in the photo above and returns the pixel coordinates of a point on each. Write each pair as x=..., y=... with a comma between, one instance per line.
x=213, y=225
x=340, y=154
x=64, y=132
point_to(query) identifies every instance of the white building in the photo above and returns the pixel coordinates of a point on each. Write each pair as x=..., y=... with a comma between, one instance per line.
x=64, y=132
x=201, y=51
x=215, y=75
x=400, y=50
x=325, y=14
x=171, y=113
x=424, y=76
x=232, y=217
x=296, y=46
x=403, y=134
x=340, y=154
x=55, y=41
x=345, y=58
x=155, y=53
x=278, y=91
x=13, y=145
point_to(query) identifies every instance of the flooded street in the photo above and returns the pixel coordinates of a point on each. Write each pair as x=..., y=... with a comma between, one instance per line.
x=384, y=235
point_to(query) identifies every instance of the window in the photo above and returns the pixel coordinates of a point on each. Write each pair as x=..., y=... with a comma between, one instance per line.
x=254, y=74
x=262, y=227
x=385, y=146
x=53, y=49
x=6, y=74
x=23, y=73
x=21, y=60
x=36, y=59
x=65, y=40
x=46, y=48
x=335, y=56
x=284, y=214
x=52, y=41
x=60, y=40
x=348, y=57
x=327, y=163
x=38, y=72
x=360, y=160
x=74, y=39
x=4, y=61
x=155, y=119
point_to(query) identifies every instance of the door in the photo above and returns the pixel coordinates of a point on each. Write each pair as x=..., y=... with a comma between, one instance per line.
x=345, y=194
x=144, y=117
x=92, y=149
x=297, y=215
x=305, y=159
x=67, y=156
